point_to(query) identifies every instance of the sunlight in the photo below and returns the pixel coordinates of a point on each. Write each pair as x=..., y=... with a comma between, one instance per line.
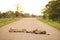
x=28, y=6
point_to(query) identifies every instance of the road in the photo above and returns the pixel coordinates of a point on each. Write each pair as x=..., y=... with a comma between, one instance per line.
x=29, y=24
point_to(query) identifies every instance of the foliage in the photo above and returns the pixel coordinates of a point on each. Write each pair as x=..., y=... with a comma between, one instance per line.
x=11, y=14
x=53, y=10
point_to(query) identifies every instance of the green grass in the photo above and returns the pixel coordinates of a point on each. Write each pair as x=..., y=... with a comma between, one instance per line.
x=6, y=21
x=50, y=22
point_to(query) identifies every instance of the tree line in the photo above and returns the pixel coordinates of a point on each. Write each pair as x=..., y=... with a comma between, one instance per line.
x=52, y=10
x=11, y=14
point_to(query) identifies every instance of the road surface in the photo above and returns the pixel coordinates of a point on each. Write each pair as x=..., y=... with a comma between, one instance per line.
x=29, y=24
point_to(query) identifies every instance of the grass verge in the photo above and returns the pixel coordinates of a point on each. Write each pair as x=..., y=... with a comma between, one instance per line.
x=50, y=22
x=6, y=21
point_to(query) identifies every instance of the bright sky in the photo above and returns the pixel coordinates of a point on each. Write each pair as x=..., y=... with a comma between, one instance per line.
x=28, y=6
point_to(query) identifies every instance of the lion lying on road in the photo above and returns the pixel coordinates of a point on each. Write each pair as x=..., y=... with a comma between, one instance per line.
x=36, y=31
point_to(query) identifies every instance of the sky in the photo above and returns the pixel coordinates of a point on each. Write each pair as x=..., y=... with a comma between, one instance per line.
x=28, y=6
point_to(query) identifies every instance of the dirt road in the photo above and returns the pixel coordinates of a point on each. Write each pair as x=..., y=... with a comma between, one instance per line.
x=29, y=24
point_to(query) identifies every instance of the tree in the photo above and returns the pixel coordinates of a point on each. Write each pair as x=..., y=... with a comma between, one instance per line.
x=18, y=13
x=4, y=15
x=18, y=7
x=10, y=14
x=0, y=15
x=53, y=10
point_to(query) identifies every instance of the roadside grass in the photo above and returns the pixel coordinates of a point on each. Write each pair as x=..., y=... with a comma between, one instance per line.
x=6, y=21
x=50, y=22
